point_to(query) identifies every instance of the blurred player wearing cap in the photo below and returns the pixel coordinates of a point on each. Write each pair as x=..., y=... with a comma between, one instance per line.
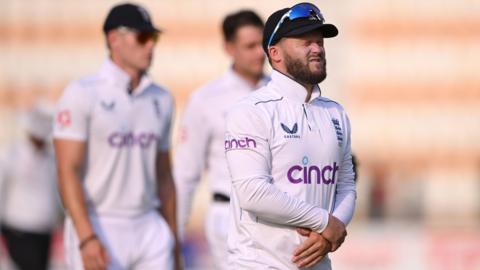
x=29, y=204
x=288, y=151
x=203, y=127
x=111, y=137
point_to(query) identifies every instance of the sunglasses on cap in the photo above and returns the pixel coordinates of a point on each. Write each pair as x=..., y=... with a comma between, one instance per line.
x=302, y=10
x=141, y=37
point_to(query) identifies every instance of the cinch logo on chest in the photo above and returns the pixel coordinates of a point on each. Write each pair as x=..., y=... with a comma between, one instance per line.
x=307, y=174
x=291, y=133
x=129, y=139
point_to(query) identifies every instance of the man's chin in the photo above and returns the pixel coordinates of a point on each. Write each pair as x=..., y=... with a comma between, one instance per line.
x=317, y=73
x=256, y=71
x=145, y=66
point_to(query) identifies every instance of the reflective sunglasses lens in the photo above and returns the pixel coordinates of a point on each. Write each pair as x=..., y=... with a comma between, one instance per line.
x=303, y=10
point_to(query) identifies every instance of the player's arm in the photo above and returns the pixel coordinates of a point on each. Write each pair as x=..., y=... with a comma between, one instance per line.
x=70, y=156
x=189, y=159
x=308, y=253
x=250, y=167
x=167, y=194
x=345, y=194
x=70, y=136
x=166, y=189
x=165, y=184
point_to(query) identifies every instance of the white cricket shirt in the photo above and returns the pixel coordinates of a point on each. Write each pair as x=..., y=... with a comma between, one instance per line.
x=123, y=134
x=202, y=135
x=291, y=165
x=28, y=191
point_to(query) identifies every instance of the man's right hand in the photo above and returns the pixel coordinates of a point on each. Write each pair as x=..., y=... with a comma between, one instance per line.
x=335, y=232
x=312, y=250
x=94, y=255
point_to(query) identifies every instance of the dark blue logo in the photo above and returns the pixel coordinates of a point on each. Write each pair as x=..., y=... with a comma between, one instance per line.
x=291, y=132
x=338, y=131
x=156, y=107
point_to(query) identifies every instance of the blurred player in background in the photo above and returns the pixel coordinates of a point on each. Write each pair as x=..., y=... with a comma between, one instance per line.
x=202, y=131
x=111, y=138
x=29, y=203
x=288, y=151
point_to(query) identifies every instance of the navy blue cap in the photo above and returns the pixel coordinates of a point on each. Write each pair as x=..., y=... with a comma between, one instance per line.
x=129, y=15
x=294, y=27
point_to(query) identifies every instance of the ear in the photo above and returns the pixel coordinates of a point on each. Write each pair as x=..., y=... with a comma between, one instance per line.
x=275, y=54
x=229, y=48
x=112, y=38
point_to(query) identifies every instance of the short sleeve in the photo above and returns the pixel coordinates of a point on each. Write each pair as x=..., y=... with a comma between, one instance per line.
x=72, y=114
x=165, y=134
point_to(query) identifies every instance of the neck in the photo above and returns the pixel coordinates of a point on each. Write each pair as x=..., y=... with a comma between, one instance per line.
x=252, y=79
x=308, y=87
x=134, y=73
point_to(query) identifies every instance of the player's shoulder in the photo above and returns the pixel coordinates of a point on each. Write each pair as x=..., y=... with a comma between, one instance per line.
x=263, y=102
x=329, y=104
x=160, y=90
x=258, y=102
x=210, y=93
x=162, y=95
x=209, y=90
x=90, y=80
x=84, y=86
x=254, y=111
x=263, y=97
x=334, y=108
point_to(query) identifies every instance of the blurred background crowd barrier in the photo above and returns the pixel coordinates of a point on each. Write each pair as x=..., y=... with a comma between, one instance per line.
x=406, y=71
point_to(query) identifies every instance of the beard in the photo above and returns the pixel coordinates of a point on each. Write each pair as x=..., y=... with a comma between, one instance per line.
x=301, y=72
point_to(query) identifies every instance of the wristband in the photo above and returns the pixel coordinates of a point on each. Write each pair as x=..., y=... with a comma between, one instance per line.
x=86, y=240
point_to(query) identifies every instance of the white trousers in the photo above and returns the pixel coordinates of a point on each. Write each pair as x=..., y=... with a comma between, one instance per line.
x=143, y=243
x=216, y=229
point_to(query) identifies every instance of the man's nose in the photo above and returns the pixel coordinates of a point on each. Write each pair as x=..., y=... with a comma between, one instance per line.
x=150, y=44
x=317, y=48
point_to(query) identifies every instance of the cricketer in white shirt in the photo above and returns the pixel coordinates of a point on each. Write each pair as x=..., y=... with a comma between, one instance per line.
x=200, y=149
x=201, y=146
x=124, y=133
x=291, y=166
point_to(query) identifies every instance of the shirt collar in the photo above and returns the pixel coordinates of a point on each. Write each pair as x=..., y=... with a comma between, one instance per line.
x=118, y=77
x=233, y=76
x=291, y=89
